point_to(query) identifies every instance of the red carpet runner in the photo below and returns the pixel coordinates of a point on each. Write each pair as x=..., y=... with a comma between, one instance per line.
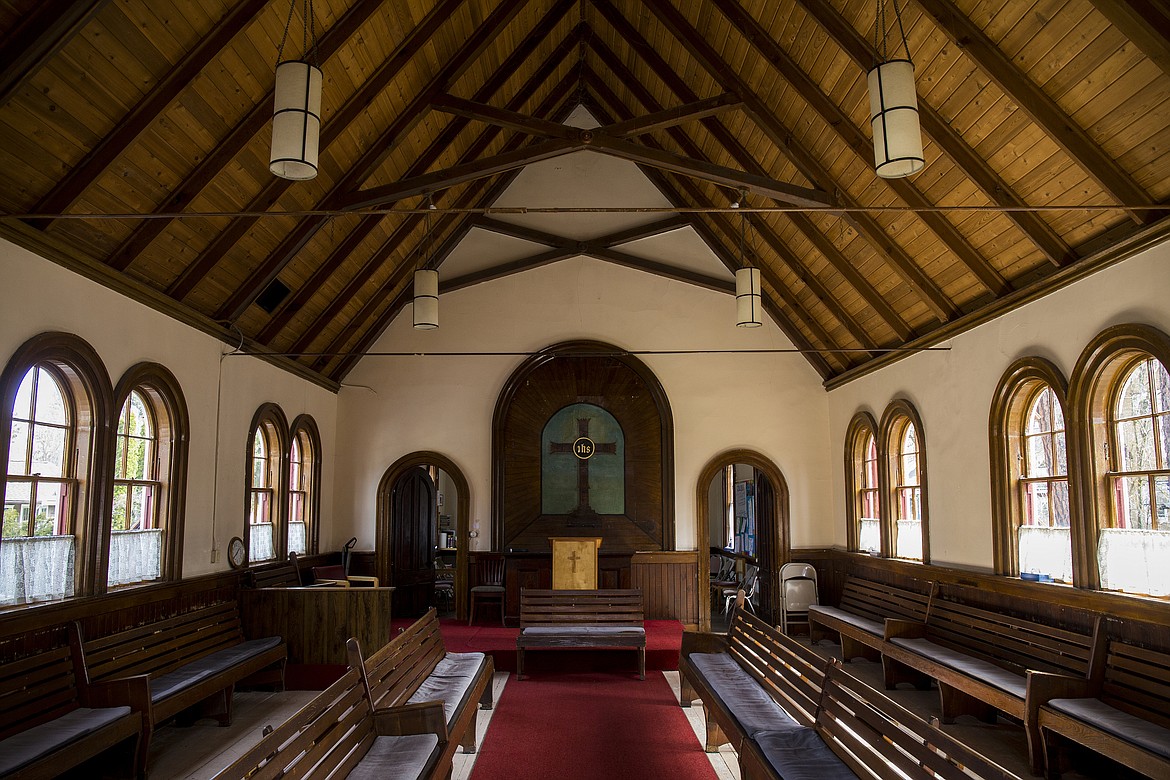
x=590, y=726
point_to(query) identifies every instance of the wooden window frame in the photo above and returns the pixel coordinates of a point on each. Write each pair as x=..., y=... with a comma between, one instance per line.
x=897, y=415
x=271, y=418
x=861, y=428
x=306, y=427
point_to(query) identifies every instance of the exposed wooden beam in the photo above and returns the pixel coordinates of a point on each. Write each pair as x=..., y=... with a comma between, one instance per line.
x=99, y=158
x=538, y=260
x=37, y=36
x=369, y=161
x=1045, y=111
x=664, y=270
x=522, y=232
x=259, y=117
x=649, y=230
x=1145, y=22
x=660, y=120
x=341, y=253
x=709, y=171
x=1046, y=239
x=509, y=120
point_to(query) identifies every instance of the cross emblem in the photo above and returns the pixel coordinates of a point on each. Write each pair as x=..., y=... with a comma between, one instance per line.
x=583, y=448
x=573, y=559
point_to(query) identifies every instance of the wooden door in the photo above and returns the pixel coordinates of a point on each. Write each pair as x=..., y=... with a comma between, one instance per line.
x=768, y=557
x=413, y=543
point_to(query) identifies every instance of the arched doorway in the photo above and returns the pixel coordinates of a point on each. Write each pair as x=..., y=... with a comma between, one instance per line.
x=759, y=478
x=422, y=482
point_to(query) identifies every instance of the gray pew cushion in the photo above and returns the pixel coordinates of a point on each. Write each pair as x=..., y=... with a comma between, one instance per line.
x=1111, y=720
x=749, y=703
x=983, y=671
x=398, y=757
x=599, y=631
x=449, y=682
x=39, y=741
x=875, y=627
x=801, y=754
x=208, y=666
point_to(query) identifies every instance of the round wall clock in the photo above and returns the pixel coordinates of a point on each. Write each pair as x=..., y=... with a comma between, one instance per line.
x=237, y=553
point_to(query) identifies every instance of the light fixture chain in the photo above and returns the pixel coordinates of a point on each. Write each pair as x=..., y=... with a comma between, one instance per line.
x=292, y=4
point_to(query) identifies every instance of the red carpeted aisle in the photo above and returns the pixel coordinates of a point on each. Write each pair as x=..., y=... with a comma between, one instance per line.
x=590, y=726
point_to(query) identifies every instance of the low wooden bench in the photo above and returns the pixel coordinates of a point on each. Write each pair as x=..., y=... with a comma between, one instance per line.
x=340, y=734
x=1121, y=711
x=980, y=659
x=788, y=711
x=416, y=667
x=581, y=620
x=858, y=624
x=195, y=658
x=49, y=724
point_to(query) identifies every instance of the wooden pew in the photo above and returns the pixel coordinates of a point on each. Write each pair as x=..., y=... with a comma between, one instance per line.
x=195, y=658
x=1122, y=710
x=340, y=731
x=415, y=667
x=581, y=620
x=49, y=724
x=858, y=624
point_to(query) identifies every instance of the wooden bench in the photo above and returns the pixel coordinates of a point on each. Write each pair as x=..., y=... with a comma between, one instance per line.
x=980, y=659
x=339, y=732
x=285, y=575
x=49, y=724
x=858, y=624
x=789, y=711
x=581, y=620
x=195, y=658
x=416, y=667
x=1121, y=711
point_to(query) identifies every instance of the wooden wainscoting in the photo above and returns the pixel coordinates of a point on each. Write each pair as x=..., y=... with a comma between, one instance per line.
x=669, y=583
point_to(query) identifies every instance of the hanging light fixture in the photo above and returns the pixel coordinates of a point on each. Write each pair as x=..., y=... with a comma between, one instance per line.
x=893, y=105
x=426, y=287
x=748, y=297
x=296, y=116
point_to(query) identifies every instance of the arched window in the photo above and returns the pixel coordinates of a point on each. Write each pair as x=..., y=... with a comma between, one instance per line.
x=55, y=410
x=1120, y=396
x=266, y=510
x=904, y=451
x=863, y=501
x=304, y=480
x=1032, y=515
x=150, y=461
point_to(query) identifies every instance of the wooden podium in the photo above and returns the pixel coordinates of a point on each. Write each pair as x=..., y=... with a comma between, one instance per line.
x=574, y=562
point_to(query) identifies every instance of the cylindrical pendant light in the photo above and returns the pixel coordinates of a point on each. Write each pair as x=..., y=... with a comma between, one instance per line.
x=893, y=110
x=296, y=121
x=426, y=300
x=748, y=298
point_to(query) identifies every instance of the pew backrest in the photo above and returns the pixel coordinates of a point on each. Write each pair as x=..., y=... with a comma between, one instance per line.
x=35, y=690
x=791, y=673
x=1135, y=680
x=397, y=670
x=580, y=607
x=878, y=601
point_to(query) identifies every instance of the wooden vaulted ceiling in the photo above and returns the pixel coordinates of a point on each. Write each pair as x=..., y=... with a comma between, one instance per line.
x=134, y=138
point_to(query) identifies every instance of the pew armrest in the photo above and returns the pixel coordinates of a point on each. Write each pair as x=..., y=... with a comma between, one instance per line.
x=421, y=718
x=911, y=629
x=132, y=692
x=703, y=642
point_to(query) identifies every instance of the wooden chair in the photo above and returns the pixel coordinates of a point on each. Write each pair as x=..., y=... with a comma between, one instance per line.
x=489, y=584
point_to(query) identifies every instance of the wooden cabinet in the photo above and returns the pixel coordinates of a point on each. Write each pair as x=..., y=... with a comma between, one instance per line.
x=316, y=622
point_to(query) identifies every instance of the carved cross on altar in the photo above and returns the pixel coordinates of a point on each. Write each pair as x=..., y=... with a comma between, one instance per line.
x=584, y=449
x=573, y=560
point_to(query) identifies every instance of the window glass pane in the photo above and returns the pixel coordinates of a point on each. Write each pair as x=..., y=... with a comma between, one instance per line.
x=1039, y=456
x=22, y=409
x=259, y=510
x=1134, y=400
x=48, y=451
x=910, y=439
x=18, y=448
x=140, y=424
x=135, y=466
x=50, y=511
x=50, y=401
x=1059, y=490
x=17, y=496
x=1162, y=499
x=296, y=507
x=1161, y=387
x=1036, y=507
x=910, y=469
x=140, y=506
x=1163, y=424
x=1133, y=502
x=258, y=450
x=1040, y=415
x=120, y=512
x=1061, y=455
x=1136, y=444
x=1057, y=413
x=259, y=472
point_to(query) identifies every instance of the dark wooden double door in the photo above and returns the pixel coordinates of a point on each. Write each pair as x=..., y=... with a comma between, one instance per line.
x=413, y=542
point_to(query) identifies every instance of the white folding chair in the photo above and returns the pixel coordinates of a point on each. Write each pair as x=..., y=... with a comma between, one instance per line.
x=798, y=591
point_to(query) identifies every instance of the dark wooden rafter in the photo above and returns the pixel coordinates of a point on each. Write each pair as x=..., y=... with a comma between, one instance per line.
x=353, y=108
x=38, y=36
x=1046, y=239
x=99, y=158
x=669, y=117
x=502, y=117
x=243, y=133
x=679, y=87
x=860, y=143
x=695, y=195
x=435, y=150
x=1045, y=111
x=1145, y=22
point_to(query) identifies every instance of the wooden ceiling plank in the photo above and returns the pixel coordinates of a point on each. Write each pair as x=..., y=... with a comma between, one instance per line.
x=709, y=171
x=1046, y=239
x=435, y=150
x=509, y=120
x=842, y=123
x=1145, y=22
x=357, y=173
x=38, y=36
x=660, y=120
x=143, y=115
x=1045, y=111
x=224, y=152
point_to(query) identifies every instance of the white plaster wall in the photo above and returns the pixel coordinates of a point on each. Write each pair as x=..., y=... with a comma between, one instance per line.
x=41, y=296
x=773, y=403
x=952, y=391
